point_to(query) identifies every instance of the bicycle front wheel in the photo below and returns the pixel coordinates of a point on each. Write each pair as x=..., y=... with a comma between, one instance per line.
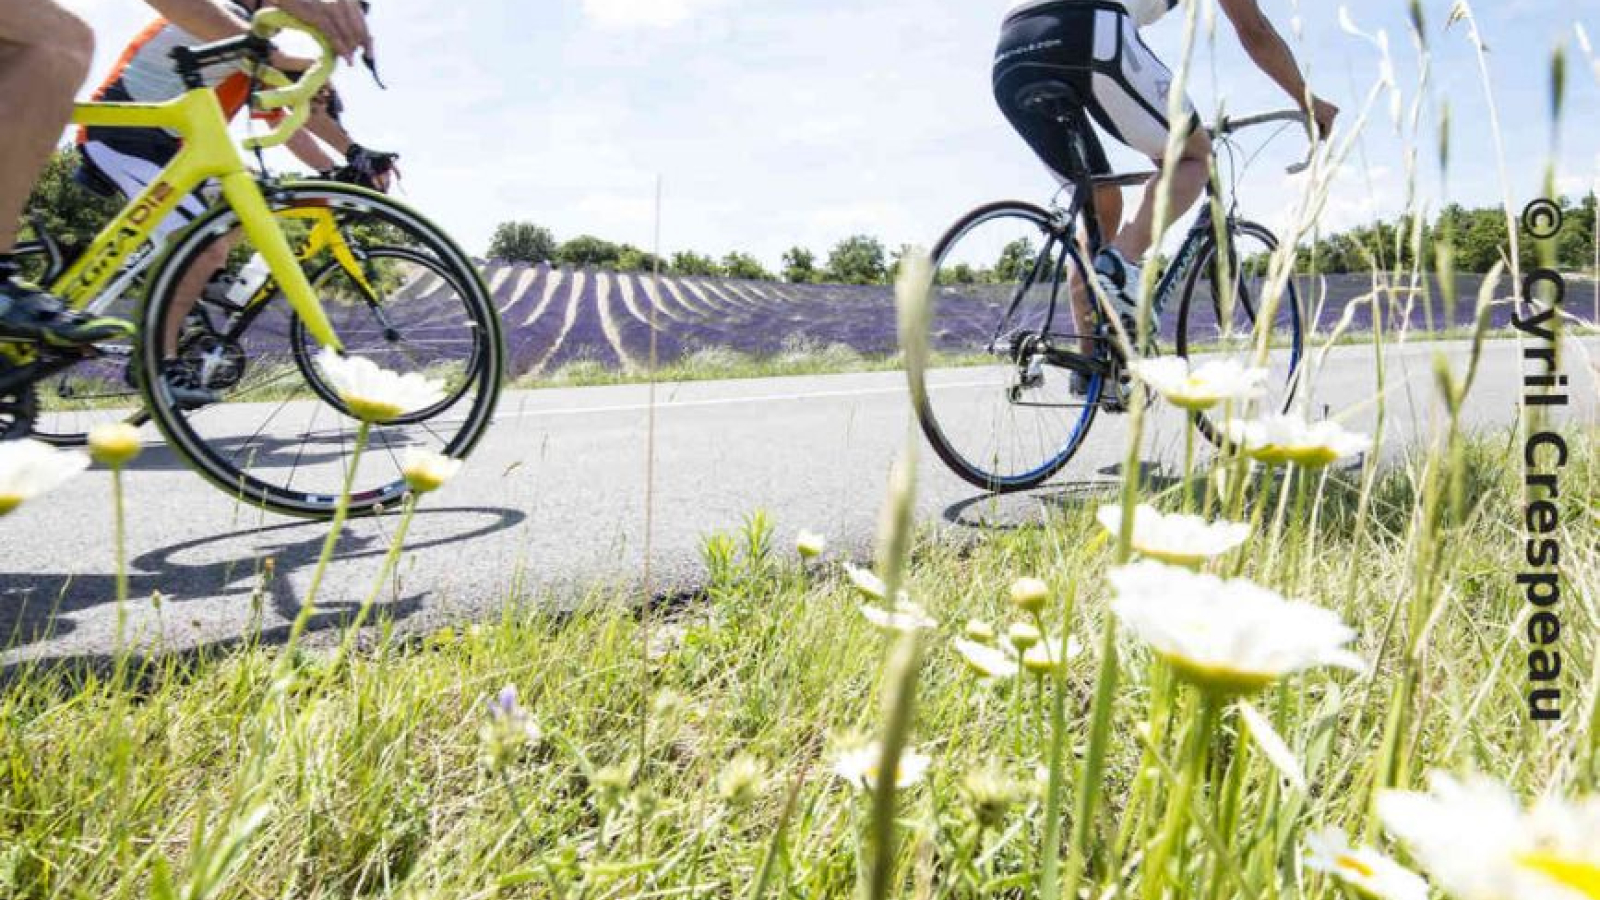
x=996, y=405
x=1251, y=323
x=271, y=430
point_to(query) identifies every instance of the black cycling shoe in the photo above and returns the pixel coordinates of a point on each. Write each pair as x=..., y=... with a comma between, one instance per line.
x=185, y=386
x=29, y=314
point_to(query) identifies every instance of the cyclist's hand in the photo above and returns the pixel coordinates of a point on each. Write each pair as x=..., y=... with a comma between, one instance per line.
x=340, y=21
x=290, y=64
x=1324, y=113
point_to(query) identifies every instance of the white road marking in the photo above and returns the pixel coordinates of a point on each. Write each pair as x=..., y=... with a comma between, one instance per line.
x=727, y=401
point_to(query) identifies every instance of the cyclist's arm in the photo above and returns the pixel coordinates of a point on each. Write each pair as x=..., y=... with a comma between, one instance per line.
x=306, y=149
x=208, y=20
x=341, y=21
x=1271, y=54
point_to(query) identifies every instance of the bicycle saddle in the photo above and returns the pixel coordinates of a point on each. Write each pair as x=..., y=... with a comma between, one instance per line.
x=1048, y=98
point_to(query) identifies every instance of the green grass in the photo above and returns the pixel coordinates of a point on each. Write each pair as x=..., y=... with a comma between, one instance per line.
x=382, y=776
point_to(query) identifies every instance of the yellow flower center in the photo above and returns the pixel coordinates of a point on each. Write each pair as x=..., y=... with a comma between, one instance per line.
x=1218, y=679
x=9, y=502
x=1345, y=861
x=1581, y=876
x=373, y=411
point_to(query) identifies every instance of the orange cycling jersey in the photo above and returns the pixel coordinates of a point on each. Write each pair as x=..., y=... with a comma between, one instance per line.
x=145, y=73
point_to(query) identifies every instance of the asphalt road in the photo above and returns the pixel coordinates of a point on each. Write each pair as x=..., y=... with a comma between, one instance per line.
x=554, y=503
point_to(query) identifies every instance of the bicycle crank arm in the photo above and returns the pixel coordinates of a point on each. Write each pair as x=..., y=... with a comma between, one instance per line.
x=1077, y=362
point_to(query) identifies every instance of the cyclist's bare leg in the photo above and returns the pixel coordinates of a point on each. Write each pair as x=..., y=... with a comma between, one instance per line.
x=1188, y=181
x=189, y=288
x=45, y=53
x=1108, y=209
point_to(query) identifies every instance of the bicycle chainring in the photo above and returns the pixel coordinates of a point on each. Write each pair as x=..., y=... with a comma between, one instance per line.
x=217, y=363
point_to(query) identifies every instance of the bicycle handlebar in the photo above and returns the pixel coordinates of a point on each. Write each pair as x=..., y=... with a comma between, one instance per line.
x=292, y=95
x=1226, y=126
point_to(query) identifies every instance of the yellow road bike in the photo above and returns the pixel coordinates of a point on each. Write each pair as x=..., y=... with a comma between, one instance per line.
x=310, y=264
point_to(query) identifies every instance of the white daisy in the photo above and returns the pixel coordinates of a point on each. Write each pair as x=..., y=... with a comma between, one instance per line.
x=980, y=631
x=905, y=618
x=1213, y=382
x=114, y=444
x=1050, y=654
x=373, y=393
x=1023, y=635
x=1175, y=538
x=859, y=767
x=1234, y=637
x=810, y=545
x=426, y=471
x=1368, y=872
x=870, y=585
x=1474, y=837
x=988, y=661
x=1280, y=439
x=1030, y=594
x=29, y=468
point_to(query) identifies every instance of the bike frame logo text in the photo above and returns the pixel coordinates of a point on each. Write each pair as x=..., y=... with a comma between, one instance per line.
x=142, y=213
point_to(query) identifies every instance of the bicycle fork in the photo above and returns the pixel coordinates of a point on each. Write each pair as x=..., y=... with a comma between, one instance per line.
x=261, y=227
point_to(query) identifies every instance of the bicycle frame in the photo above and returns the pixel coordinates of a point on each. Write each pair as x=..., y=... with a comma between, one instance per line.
x=208, y=152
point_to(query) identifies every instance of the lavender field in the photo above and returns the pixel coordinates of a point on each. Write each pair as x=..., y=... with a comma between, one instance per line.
x=557, y=317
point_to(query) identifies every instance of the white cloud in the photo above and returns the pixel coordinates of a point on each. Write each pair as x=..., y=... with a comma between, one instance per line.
x=643, y=13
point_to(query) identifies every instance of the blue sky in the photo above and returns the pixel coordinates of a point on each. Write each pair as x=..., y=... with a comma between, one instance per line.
x=779, y=123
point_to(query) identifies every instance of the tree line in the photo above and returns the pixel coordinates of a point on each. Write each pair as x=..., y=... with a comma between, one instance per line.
x=1477, y=238
x=859, y=259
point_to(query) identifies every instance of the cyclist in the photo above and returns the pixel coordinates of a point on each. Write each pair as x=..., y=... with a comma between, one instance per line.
x=45, y=53
x=124, y=160
x=1095, y=47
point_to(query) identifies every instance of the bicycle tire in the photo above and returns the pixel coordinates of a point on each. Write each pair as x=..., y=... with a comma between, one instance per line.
x=305, y=347
x=264, y=471
x=1189, y=318
x=937, y=428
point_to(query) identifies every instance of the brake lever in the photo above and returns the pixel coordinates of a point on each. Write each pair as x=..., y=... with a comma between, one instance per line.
x=371, y=62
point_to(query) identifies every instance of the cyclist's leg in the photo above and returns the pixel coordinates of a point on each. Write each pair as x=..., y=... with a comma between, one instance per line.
x=1130, y=88
x=130, y=164
x=45, y=53
x=1056, y=44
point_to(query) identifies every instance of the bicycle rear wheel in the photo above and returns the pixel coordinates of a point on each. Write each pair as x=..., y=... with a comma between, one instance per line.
x=1215, y=324
x=279, y=437
x=93, y=392
x=995, y=404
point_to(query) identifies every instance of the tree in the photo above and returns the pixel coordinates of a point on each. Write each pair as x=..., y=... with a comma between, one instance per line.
x=522, y=242
x=960, y=273
x=70, y=213
x=632, y=259
x=744, y=266
x=687, y=263
x=799, y=266
x=858, y=259
x=1016, y=260
x=588, y=250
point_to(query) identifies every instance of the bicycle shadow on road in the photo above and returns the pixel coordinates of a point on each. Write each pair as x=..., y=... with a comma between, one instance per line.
x=37, y=609
x=1028, y=509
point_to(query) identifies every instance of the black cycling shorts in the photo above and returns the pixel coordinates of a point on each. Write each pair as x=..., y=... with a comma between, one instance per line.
x=1095, y=47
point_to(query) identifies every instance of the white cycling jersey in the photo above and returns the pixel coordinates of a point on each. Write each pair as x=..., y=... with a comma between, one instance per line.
x=1145, y=12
